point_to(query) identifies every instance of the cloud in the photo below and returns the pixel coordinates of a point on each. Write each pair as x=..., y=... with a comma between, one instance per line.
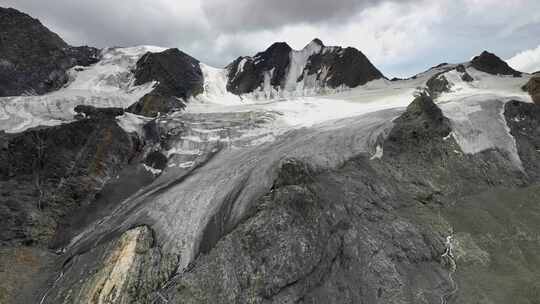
x=526, y=61
x=248, y=15
x=402, y=37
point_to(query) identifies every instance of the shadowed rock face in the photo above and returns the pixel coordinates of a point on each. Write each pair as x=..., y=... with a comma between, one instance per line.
x=246, y=74
x=316, y=67
x=523, y=119
x=491, y=64
x=34, y=60
x=93, y=112
x=178, y=78
x=464, y=75
x=533, y=88
x=47, y=174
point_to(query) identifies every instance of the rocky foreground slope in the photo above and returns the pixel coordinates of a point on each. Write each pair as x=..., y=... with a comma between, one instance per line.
x=287, y=177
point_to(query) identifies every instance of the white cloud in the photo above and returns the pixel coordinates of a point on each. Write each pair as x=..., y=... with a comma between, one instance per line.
x=526, y=61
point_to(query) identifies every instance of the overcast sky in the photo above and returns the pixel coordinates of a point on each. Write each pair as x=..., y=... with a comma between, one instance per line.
x=401, y=37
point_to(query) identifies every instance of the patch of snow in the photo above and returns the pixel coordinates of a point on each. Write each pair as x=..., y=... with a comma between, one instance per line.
x=188, y=164
x=484, y=83
x=267, y=84
x=378, y=153
x=478, y=124
x=215, y=87
x=447, y=137
x=152, y=170
x=297, y=65
x=132, y=123
x=241, y=65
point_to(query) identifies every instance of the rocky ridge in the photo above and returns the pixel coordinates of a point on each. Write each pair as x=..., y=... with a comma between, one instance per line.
x=34, y=60
x=314, y=68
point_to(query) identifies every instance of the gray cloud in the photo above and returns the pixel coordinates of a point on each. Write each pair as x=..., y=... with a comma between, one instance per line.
x=256, y=14
x=401, y=37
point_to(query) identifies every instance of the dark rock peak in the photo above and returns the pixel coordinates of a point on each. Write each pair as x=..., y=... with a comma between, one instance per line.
x=316, y=41
x=344, y=66
x=32, y=58
x=14, y=20
x=490, y=63
x=437, y=85
x=246, y=74
x=276, y=48
x=179, y=76
x=417, y=128
x=423, y=106
x=177, y=73
x=440, y=65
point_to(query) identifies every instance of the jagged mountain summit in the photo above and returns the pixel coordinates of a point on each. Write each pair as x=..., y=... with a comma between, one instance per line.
x=282, y=70
x=145, y=176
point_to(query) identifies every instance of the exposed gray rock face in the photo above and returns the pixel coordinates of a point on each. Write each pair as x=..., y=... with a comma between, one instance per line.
x=533, y=88
x=93, y=112
x=524, y=123
x=491, y=64
x=464, y=75
x=178, y=77
x=125, y=270
x=34, y=60
x=422, y=125
x=313, y=68
x=438, y=84
x=49, y=173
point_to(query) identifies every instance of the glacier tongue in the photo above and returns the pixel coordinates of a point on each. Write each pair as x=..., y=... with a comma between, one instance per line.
x=190, y=207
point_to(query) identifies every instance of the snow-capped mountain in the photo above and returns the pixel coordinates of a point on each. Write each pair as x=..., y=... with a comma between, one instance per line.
x=142, y=175
x=281, y=71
